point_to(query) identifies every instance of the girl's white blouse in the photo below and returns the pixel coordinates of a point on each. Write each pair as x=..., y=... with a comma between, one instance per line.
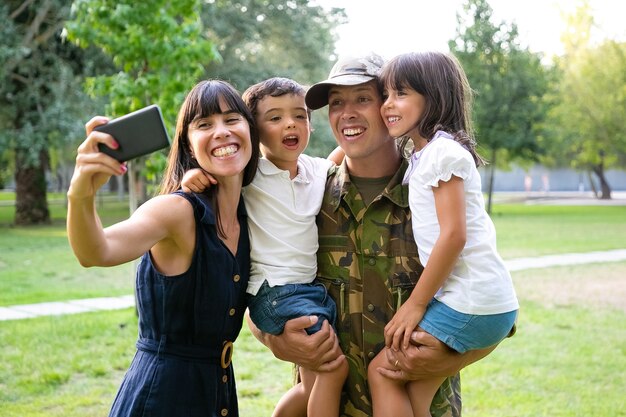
x=479, y=283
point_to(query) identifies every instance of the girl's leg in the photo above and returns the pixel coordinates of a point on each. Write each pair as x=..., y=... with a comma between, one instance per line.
x=326, y=393
x=294, y=402
x=389, y=397
x=421, y=394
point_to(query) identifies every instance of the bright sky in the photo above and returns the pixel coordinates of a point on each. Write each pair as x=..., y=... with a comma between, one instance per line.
x=390, y=27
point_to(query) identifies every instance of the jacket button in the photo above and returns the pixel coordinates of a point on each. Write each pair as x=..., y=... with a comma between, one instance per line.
x=224, y=412
x=231, y=312
x=236, y=278
x=371, y=261
x=370, y=307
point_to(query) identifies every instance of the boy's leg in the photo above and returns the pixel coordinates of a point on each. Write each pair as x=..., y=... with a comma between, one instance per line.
x=389, y=397
x=326, y=393
x=294, y=402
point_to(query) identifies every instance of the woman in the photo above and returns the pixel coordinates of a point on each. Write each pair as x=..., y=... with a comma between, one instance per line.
x=193, y=273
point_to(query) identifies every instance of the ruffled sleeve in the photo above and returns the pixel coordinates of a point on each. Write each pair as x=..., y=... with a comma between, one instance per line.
x=443, y=158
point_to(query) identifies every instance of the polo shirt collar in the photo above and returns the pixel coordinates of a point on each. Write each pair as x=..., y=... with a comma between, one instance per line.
x=267, y=168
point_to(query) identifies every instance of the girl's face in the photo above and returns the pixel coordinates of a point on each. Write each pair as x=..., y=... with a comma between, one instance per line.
x=402, y=110
x=221, y=142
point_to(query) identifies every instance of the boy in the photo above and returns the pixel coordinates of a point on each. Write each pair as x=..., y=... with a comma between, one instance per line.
x=282, y=203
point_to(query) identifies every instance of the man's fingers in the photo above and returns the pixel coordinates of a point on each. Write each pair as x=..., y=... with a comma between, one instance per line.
x=397, y=375
x=420, y=337
x=300, y=323
x=332, y=365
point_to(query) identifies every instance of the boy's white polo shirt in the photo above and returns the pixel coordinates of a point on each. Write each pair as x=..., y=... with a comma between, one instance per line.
x=281, y=222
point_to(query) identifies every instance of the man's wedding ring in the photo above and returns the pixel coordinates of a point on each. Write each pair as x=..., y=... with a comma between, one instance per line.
x=396, y=364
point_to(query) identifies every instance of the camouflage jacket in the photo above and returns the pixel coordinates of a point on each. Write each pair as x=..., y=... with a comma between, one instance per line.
x=368, y=260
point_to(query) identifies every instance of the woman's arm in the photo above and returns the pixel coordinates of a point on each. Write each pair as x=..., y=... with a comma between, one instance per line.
x=163, y=219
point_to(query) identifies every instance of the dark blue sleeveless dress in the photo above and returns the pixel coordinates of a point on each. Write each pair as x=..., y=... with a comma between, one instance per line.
x=187, y=324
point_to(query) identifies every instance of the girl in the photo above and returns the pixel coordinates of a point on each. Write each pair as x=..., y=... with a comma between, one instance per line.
x=193, y=273
x=465, y=297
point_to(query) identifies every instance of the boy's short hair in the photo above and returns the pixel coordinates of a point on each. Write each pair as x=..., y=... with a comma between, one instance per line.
x=273, y=87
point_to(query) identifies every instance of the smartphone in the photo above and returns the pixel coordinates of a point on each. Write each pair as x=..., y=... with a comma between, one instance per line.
x=138, y=133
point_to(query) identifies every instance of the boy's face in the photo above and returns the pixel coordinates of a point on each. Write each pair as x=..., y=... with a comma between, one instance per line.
x=284, y=128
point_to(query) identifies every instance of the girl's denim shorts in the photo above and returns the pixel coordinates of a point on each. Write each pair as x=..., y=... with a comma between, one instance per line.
x=463, y=332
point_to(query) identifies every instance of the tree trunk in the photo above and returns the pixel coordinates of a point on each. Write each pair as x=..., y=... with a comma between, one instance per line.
x=31, y=204
x=605, y=188
x=492, y=170
x=592, y=183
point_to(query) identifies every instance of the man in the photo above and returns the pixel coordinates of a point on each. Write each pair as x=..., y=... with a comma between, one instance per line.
x=367, y=256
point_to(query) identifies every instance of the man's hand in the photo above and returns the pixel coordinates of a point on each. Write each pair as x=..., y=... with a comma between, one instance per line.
x=318, y=352
x=428, y=357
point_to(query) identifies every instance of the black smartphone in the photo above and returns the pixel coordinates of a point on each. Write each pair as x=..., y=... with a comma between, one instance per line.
x=138, y=133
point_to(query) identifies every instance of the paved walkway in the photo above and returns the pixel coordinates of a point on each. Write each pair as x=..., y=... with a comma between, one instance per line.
x=25, y=311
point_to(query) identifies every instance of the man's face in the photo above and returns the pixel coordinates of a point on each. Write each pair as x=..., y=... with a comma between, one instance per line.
x=354, y=115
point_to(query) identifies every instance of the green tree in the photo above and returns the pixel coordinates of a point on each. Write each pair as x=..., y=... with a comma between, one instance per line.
x=258, y=39
x=589, y=108
x=509, y=82
x=160, y=49
x=39, y=96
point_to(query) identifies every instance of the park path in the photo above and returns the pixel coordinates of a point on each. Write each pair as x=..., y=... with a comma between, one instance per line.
x=25, y=311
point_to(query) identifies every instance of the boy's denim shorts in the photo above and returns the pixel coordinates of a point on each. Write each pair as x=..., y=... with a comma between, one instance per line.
x=271, y=307
x=463, y=332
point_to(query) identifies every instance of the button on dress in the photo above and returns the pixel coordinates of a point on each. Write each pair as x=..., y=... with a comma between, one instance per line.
x=186, y=326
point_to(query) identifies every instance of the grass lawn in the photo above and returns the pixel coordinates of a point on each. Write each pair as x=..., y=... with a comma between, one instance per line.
x=525, y=230
x=566, y=360
x=37, y=264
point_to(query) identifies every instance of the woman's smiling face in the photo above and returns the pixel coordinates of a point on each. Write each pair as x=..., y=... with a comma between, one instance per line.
x=221, y=142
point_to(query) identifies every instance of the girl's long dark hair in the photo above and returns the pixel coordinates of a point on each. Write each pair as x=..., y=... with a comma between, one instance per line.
x=202, y=101
x=440, y=78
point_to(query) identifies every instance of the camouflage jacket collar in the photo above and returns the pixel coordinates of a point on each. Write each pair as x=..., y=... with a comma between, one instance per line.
x=340, y=186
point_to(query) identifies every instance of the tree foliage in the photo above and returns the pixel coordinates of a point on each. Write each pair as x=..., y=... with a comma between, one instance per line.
x=509, y=82
x=587, y=118
x=128, y=54
x=258, y=39
x=158, y=47
x=40, y=96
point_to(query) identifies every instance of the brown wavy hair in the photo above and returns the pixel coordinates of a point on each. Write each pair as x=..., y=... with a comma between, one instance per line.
x=202, y=101
x=440, y=78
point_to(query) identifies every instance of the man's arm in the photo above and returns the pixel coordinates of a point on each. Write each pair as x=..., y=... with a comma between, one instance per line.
x=428, y=357
x=317, y=352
